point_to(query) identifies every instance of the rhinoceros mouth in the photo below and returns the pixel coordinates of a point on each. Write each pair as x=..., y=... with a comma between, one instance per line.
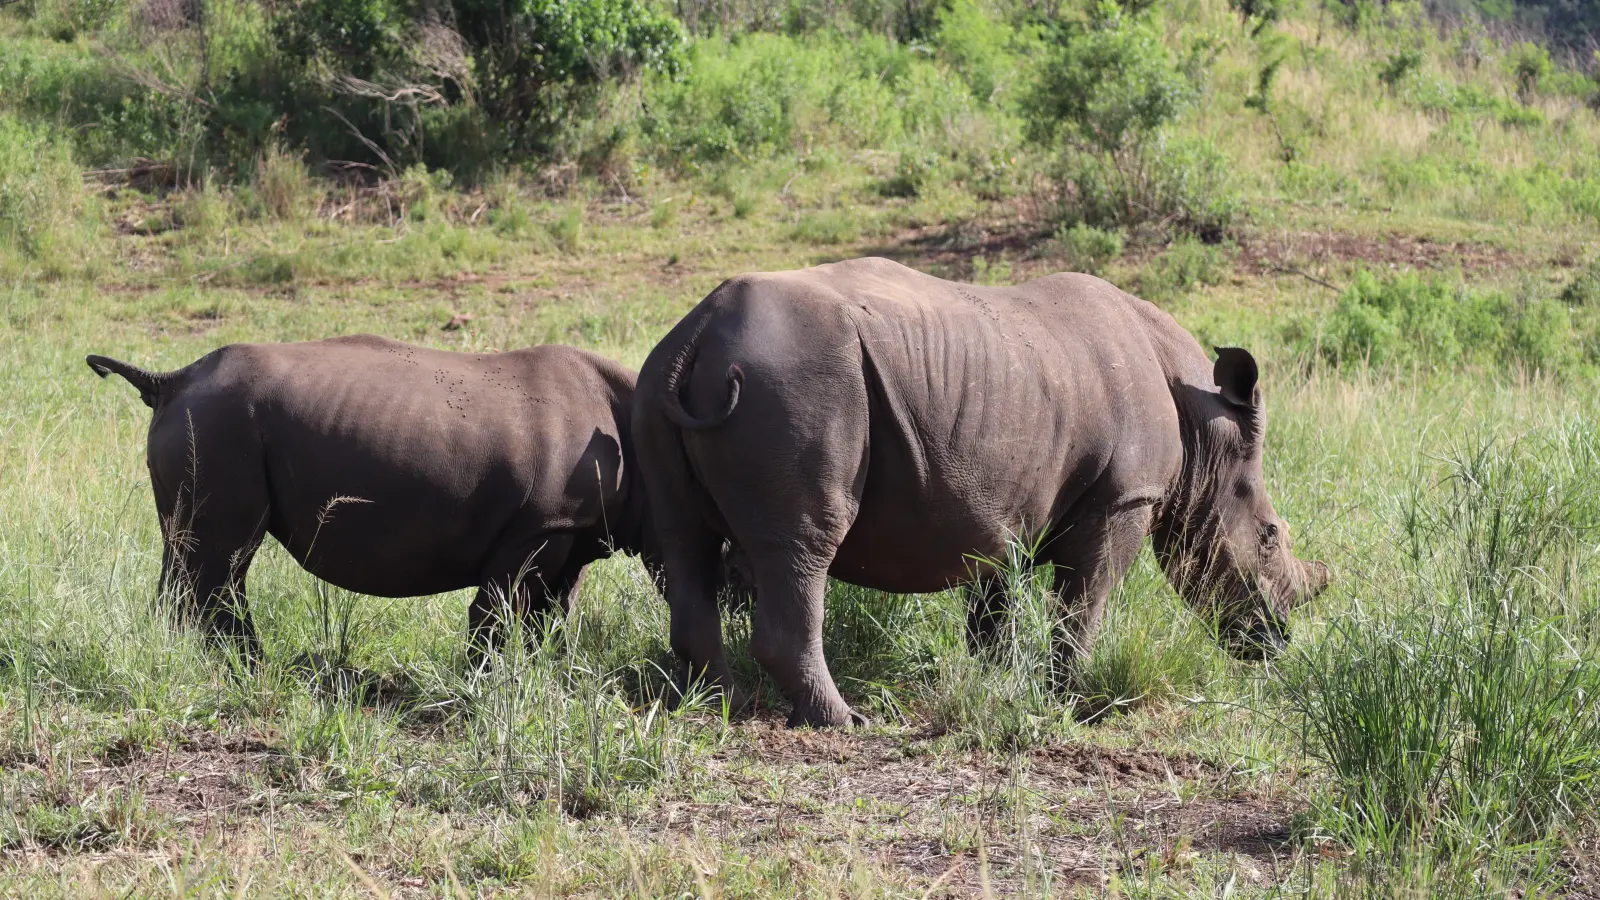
x=1259, y=641
x=1258, y=649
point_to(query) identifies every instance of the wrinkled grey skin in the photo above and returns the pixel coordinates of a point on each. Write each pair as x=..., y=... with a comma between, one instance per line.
x=869, y=422
x=391, y=470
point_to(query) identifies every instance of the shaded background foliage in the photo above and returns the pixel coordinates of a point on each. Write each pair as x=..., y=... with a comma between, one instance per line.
x=474, y=85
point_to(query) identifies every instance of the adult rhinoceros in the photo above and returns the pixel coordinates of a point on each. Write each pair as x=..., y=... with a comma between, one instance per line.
x=391, y=470
x=891, y=429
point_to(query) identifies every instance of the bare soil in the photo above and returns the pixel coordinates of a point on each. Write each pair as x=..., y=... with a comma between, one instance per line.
x=1272, y=253
x=1089, y=811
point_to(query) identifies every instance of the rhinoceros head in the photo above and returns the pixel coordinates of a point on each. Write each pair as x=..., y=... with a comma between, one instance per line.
x=1223, y=545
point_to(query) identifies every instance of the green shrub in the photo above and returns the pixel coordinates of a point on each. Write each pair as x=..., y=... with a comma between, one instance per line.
x=65, y=20
x=423, y=193
x=41, y=190
x=364, y=38
x=1257, y=15
x=1185, y=265
x=1109, y=91
x=202, y=211
x=1425, y=320
x=534, y=59
x=913, y=172
x=524, y=64
x=1087, y=248
x=106, y=119
x=1182, y=184
x=567, y=229
x=1584, y=288
x=1109, y=86
x=1399, y=65
x=283, y=185
x=979, y=46
x=1529, y=64
x=762, y=94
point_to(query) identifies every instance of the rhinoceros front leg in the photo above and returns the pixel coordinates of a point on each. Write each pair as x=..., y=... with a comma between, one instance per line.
x=1089, y=562
x=692, y=557
x=208, y=546
x=986, y=609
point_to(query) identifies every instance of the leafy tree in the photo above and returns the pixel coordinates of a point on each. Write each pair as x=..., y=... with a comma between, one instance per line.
x=1110, y=86
x=1106, y=95
x=534, y=58
x=518, y=64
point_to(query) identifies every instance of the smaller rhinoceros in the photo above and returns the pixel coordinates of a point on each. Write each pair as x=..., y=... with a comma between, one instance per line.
x=391, y=470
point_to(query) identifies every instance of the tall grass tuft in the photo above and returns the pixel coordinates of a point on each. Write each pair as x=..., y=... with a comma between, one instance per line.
x=1458, y=708
x=1150, y=650
x=543, y=724
x=1004, y=699
x=284, y=186
x=41, y=195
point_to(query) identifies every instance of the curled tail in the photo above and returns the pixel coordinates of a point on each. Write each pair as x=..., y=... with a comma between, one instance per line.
x=671, y=392
x=148, y=383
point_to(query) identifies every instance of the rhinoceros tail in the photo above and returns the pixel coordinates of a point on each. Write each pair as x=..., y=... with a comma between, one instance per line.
x=672, y=401
x=148, y=383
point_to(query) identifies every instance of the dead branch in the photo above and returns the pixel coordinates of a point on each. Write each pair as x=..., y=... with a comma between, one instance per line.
x=387, y=162
x=1306, y=275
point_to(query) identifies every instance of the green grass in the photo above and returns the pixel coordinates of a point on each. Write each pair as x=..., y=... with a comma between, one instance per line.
x=1418, y=282
x=362, y=737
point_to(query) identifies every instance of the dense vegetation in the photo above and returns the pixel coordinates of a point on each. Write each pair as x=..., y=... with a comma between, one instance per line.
x=1395, y=206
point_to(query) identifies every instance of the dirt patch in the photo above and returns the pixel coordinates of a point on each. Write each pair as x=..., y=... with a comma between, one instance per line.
x=193, y=780
x=1084, y=812
x=1314, y=251
x=953, y=251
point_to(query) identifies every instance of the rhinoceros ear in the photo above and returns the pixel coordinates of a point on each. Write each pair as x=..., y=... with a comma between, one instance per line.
x=1236, y=374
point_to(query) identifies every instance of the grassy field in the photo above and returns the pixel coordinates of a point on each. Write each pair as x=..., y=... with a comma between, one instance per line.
x=1420, y=282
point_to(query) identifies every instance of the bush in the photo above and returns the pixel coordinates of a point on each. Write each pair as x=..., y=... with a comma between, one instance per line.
x=913, y=172
x=41, y=190
x=536, y=59
x=1183, y=185
x=1088, y=248
x=979, y=47
x=1584, y=288
x=1399, y=65
x=1185, y=265
x=1422, y=320
x=525, y=64
x=1529, y=64
x=762, y=94
x=388, y=82
x=1110, y=91
x=1110, y=86
x=283, y=186
x=1257, y=14
x=106, y=119
x=202, y=211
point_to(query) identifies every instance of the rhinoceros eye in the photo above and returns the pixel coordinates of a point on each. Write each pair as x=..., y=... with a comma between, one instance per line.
x=1268, y=533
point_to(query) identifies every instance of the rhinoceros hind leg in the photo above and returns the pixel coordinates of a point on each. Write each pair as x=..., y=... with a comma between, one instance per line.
x=207, y=547
x=786, y=639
